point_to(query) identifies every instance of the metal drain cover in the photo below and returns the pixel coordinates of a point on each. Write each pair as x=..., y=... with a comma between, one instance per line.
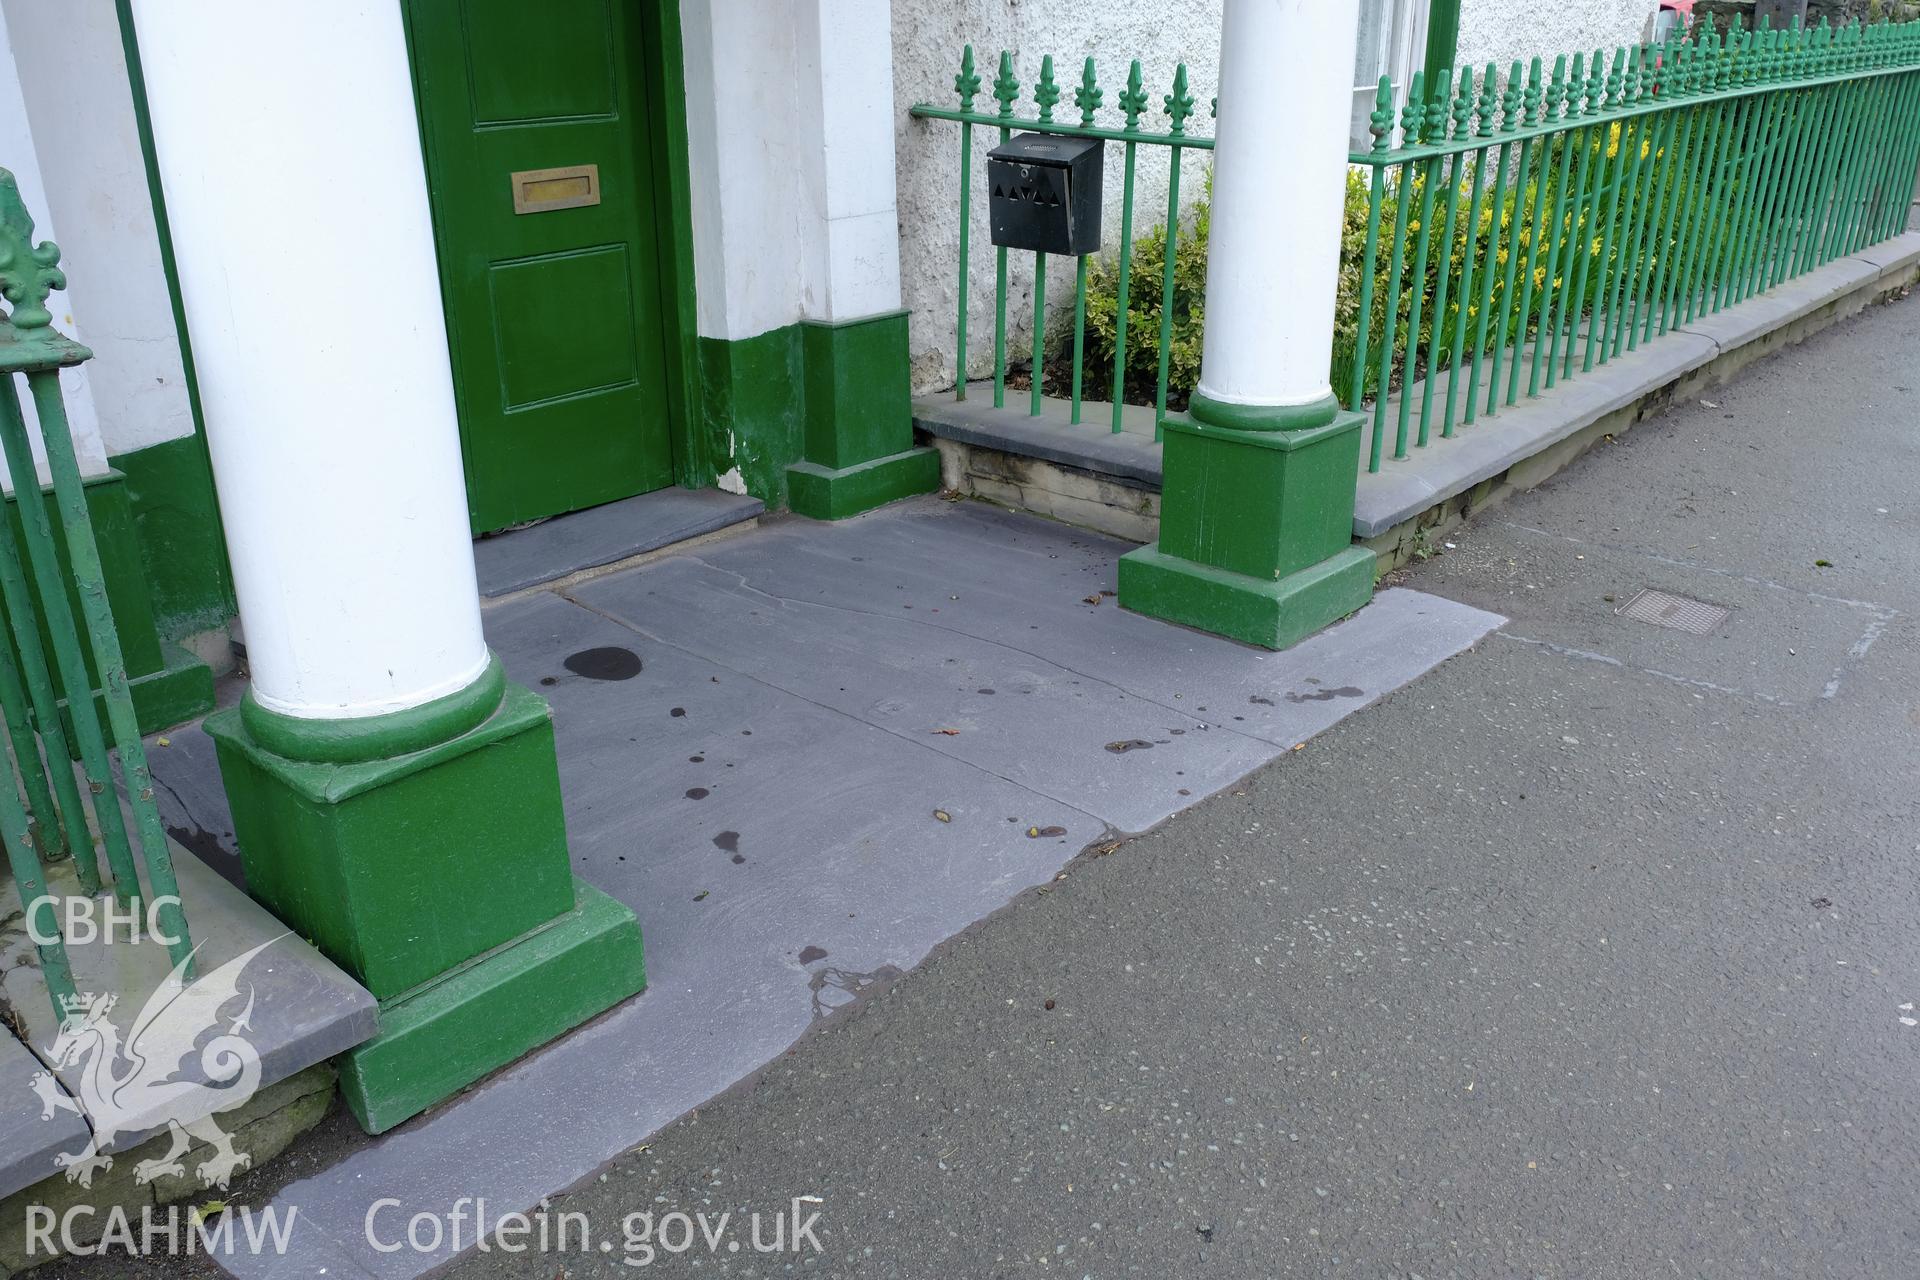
x=1664, y=609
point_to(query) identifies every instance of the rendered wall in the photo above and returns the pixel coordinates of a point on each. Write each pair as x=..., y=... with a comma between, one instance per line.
x=1501, y=31
x=20, y=154
x=73, y=76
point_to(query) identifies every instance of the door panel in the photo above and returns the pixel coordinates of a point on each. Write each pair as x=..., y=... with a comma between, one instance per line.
x=554, y=315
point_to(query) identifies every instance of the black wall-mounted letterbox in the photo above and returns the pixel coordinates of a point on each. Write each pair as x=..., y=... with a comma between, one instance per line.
x=1044, y=193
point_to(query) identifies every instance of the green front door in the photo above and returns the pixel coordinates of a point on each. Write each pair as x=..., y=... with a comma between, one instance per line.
x=548, y=230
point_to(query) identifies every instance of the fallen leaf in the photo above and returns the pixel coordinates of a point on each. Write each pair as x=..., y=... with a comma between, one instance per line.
x=943, y=815
x=165, y=742
x=1090, y=600
x=701, y=896
x=206, y=1212
x=947, y=733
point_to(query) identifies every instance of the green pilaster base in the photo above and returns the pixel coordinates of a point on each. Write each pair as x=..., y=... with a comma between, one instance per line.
x=858, y=434
x=1256, y=525
x=826, y=494
x=437, y=876
x=439, y=1039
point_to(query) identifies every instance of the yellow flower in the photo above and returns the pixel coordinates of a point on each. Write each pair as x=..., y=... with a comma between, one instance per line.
x=1613, y=140
x=1596, y=246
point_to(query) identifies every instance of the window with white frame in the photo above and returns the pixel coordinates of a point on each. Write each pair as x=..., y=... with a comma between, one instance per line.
x=1393, y=42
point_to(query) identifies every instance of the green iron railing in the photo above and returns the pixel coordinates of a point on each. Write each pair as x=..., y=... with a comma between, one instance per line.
x=43, y=817
x=1521, y=231
x=1178, y=106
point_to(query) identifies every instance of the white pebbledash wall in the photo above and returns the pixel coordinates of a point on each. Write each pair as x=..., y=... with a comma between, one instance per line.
x=927, y=38
x=1500, y=31
x=66, y=111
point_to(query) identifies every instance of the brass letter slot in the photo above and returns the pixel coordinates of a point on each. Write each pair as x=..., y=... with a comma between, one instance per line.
x=542, y=190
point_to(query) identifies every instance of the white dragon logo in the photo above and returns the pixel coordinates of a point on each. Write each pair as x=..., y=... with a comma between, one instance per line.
x=131, y=1087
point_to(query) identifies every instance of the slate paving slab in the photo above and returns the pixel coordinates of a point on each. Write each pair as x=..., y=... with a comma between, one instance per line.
x=1061, y=732
x=1045, y=589
x=29, y=1142
x=752, y=750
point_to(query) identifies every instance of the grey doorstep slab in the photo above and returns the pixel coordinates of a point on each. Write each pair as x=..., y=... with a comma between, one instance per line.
x=30, y=1136
x=1129, y=455
x=304, y=1008
x=566, y=544
x=782, y=840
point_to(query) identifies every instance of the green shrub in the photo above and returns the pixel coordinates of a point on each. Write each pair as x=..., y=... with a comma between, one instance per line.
x=1145, y=287
x=1494, y=232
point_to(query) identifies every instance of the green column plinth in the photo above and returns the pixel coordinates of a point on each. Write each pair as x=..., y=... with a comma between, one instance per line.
x=435, y=873
x=1256, y=524
x=858, y=428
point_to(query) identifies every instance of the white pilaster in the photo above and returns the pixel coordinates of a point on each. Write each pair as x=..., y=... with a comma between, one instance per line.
x=298, y=199
x=790, y=122
x=1280, y=156
x=845, y=72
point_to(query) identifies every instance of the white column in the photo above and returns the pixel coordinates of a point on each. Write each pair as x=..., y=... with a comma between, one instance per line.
x=298, y=199
x=1280, y=157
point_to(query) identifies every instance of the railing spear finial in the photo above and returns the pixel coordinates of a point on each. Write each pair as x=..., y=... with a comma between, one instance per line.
x=1088, y=96
x=28, y=271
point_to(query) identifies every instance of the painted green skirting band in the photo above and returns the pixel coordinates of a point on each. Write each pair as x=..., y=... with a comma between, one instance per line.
x=380, y=737
x=1263, y=417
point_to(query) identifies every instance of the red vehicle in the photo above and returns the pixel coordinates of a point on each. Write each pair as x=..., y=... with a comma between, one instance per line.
x=1670, y=14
